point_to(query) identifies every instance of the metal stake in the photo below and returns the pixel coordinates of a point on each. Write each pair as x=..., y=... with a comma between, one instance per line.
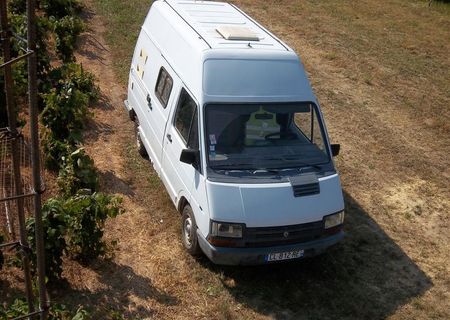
x=35, y=160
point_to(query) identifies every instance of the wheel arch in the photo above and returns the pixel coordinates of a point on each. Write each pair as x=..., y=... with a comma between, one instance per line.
x=182, y=203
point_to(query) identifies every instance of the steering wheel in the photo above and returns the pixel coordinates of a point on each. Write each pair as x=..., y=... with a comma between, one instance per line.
x=280, y=135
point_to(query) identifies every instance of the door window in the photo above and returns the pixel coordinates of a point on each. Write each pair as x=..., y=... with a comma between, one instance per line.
x=308, y=124
x=163, y=87
x=193, y=135
x=186, y=120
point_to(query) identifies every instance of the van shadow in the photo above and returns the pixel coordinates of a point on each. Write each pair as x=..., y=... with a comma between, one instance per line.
x=367, y=276
x=120, y=290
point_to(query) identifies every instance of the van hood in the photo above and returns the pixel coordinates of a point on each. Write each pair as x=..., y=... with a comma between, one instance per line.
x=272, y=204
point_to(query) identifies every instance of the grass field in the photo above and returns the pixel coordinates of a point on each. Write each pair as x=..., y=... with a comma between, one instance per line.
x=381, y=71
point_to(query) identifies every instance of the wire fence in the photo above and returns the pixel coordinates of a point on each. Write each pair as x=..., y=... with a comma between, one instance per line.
x=21, y=182
x=16, y=201
x=8, y=196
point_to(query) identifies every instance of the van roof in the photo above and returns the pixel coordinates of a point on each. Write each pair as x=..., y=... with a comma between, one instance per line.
x=223, y=25
x=215, y=69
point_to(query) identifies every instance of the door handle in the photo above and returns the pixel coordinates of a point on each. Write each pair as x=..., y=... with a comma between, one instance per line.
x=169, y=137
x=149, y=102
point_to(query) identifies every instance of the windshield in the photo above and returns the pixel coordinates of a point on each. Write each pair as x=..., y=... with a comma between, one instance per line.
x=264, y=136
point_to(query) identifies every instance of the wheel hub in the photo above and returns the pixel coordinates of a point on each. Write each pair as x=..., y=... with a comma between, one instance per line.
x=188, y=231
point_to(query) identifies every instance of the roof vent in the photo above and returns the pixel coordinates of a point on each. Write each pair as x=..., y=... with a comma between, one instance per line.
x=237, y=33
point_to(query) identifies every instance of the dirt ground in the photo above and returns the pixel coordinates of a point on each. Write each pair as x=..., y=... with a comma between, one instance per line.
x=394, y=167
x=383, y=79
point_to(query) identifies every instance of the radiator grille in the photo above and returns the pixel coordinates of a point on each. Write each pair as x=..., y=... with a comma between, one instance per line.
x=273, y=236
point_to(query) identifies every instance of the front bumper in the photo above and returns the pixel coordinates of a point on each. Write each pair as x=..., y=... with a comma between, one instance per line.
x=255, y=256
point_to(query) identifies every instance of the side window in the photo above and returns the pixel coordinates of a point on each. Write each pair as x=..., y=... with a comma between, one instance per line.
x=186, y=119
x=164, y=85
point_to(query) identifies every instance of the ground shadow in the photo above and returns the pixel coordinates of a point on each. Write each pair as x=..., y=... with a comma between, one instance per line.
x=9, y=292
x=367, y=276
x=104, y=103
x=120, y=287
x=111, y=182
x=95, y=128
x=88, y=45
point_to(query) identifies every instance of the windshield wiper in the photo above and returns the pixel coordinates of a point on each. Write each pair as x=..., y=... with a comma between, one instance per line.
x=271, y=170
x=297, y=163
x=234, y=166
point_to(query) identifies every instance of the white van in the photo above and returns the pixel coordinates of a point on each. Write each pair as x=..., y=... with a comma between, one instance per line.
x=226, y=114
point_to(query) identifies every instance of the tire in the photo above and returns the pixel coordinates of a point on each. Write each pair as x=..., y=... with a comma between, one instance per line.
x=189, y=232
x=137, y=138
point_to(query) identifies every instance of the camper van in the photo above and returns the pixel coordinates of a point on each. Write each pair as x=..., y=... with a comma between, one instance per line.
x=226, y=114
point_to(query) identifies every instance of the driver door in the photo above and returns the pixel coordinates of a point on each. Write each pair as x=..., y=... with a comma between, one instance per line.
x=181, y=133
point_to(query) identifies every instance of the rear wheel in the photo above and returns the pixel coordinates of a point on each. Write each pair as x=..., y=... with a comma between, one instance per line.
x=139, y=144
x=189, y=232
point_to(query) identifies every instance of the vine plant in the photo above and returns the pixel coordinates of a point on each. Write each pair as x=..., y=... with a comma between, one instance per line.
x=73, y=222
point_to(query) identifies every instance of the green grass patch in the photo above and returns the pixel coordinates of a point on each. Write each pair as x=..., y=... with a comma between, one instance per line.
x=123, y=22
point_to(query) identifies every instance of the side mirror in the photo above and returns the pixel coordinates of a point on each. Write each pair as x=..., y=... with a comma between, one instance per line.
x=335, y=148
x=191, y=156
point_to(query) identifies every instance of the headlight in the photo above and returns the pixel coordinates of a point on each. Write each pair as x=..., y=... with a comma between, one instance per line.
x=229, y=230
x=334, y=220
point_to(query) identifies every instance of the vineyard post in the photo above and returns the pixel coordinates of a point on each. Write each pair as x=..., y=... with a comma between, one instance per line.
x=35, y=160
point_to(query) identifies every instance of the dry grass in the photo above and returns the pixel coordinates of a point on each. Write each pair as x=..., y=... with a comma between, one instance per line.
x=382, y=74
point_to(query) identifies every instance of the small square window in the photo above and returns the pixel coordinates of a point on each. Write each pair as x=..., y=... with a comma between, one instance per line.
x=163, y=88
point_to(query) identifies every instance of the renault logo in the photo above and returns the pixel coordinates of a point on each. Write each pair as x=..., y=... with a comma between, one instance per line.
x=286, y=234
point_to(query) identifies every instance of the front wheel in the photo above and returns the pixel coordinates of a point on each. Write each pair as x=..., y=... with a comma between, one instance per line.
x=189, y=232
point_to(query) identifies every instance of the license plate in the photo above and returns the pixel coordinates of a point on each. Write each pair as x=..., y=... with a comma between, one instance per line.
x=279, y=256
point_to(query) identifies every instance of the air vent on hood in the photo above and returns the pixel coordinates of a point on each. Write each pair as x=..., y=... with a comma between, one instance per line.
x=306, y=190
x=305, y=185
